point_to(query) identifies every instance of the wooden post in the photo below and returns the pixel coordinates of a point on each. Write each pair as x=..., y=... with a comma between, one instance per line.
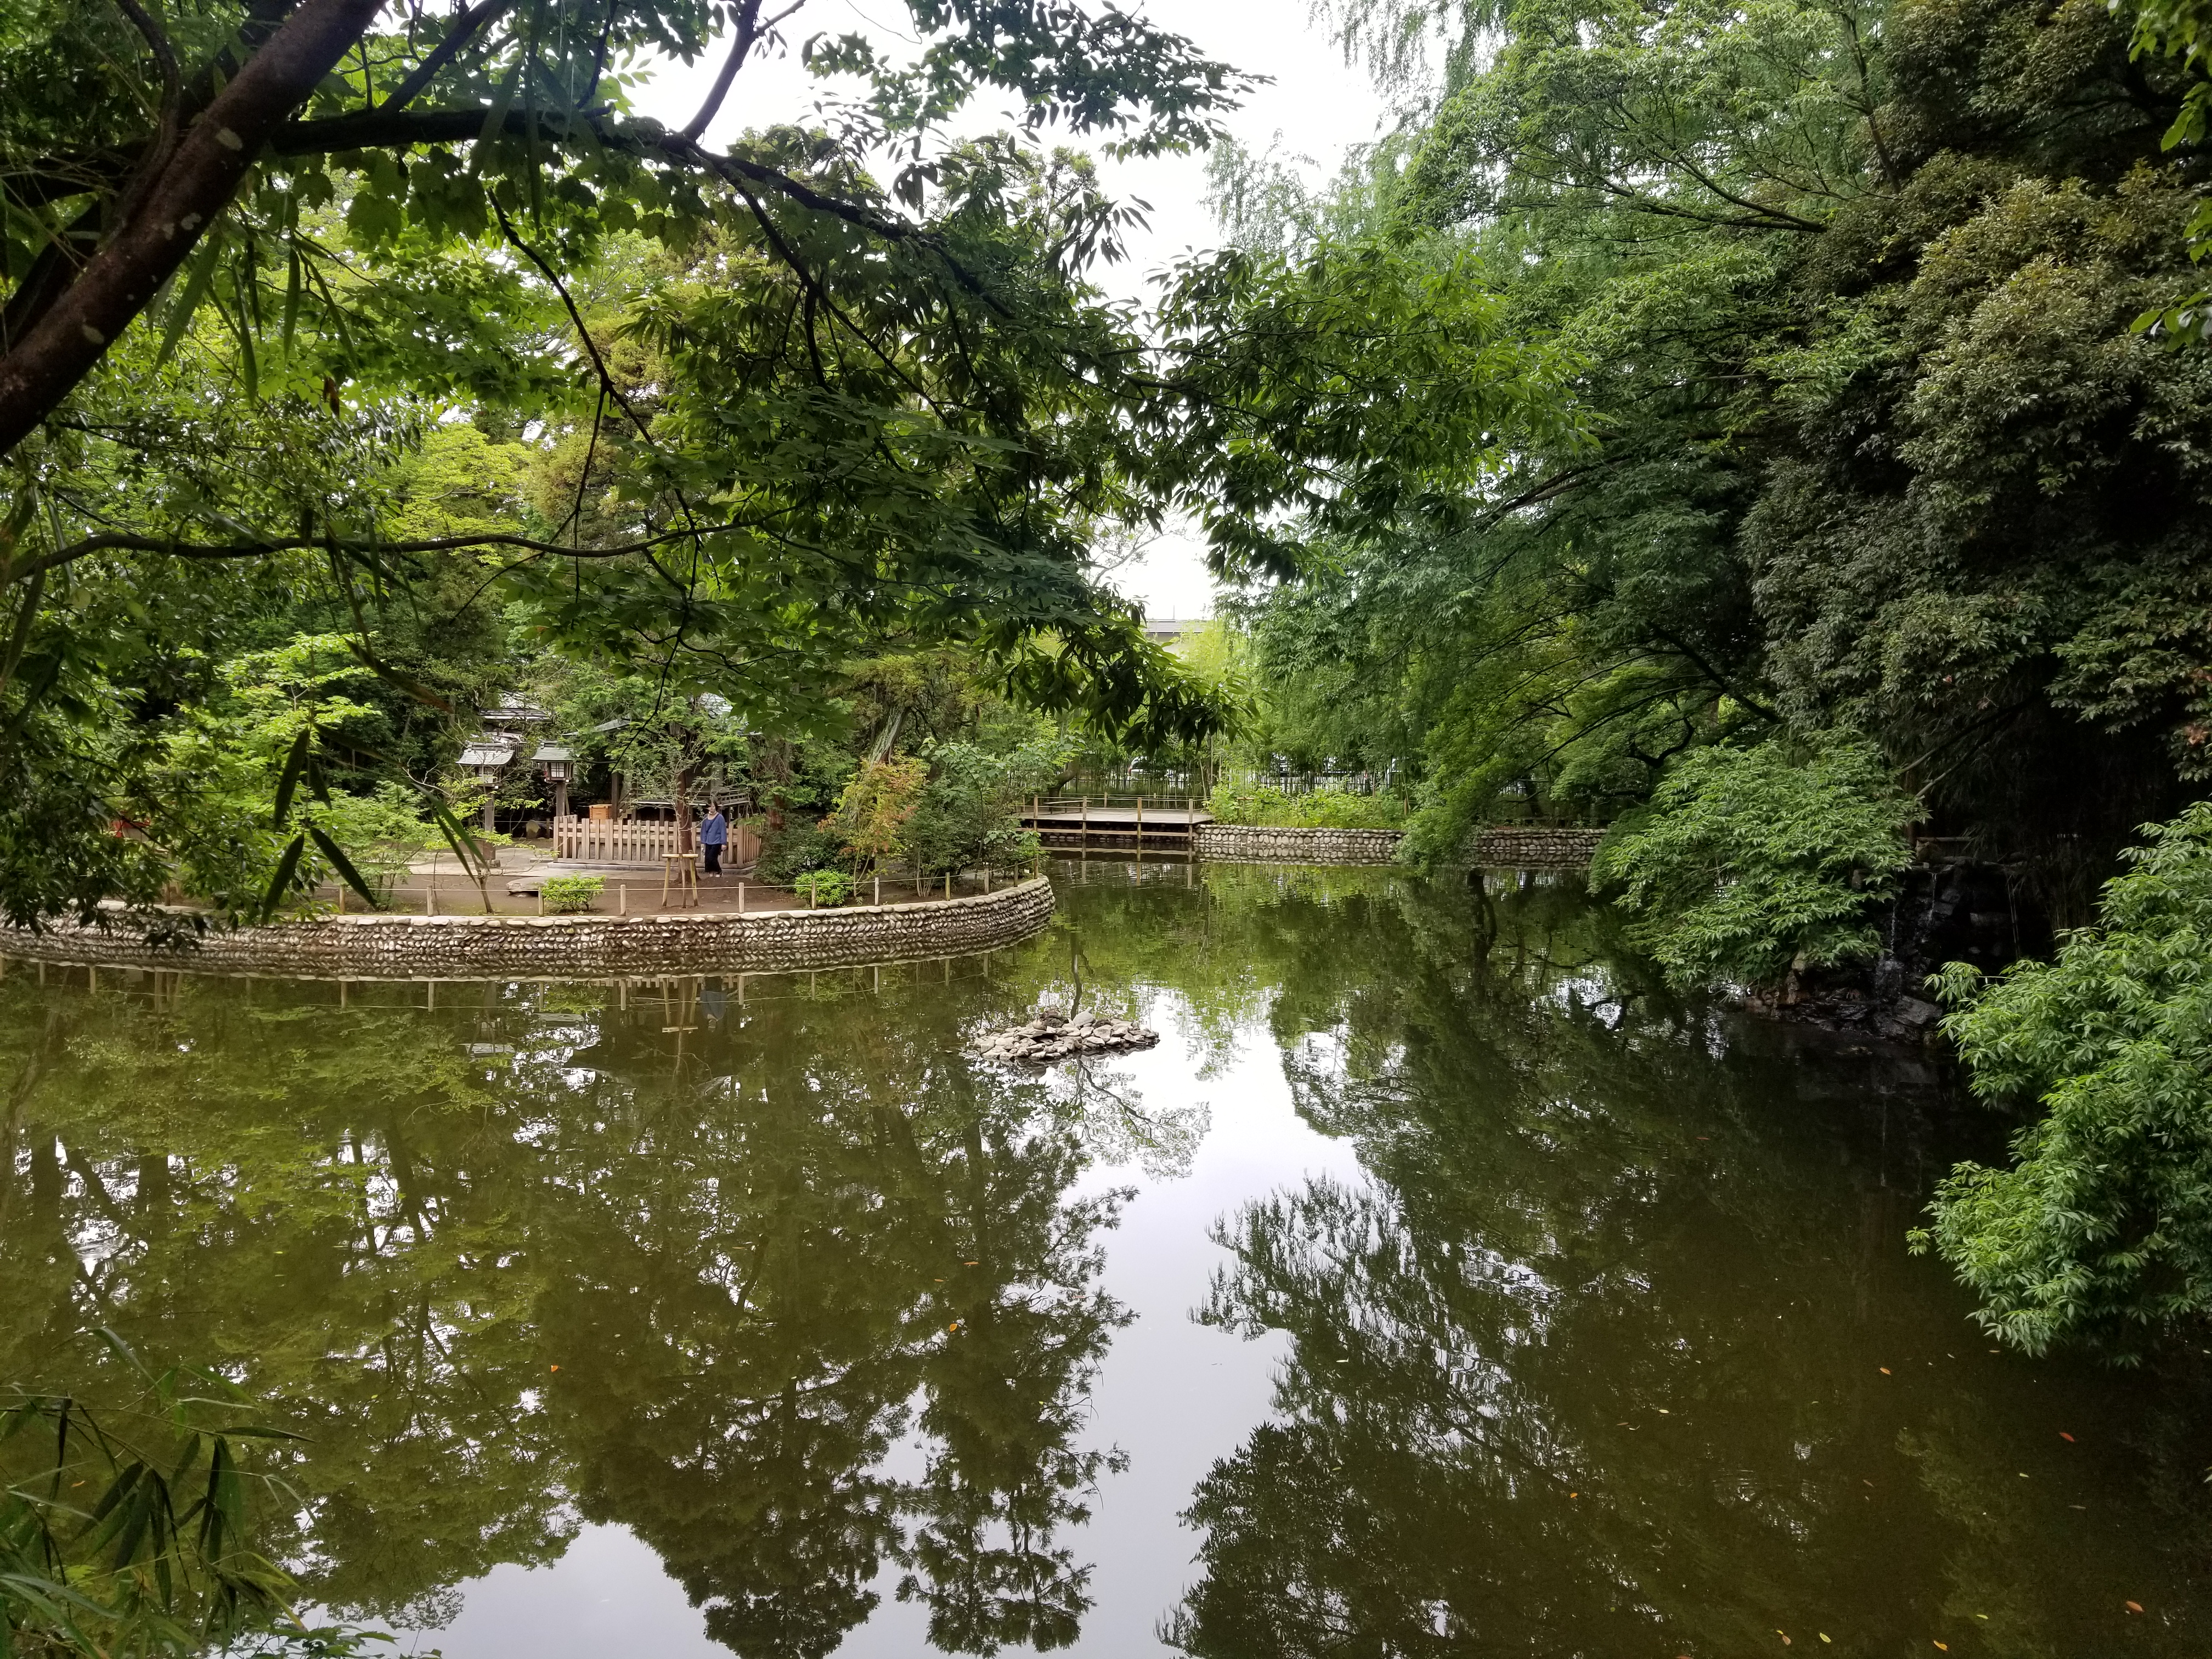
x=879, y=888
x=430, y=896
x=541, y=898
x=741, y=910
x=621, y=903
x=342, y=898
x=948, y=884
x=987, y=875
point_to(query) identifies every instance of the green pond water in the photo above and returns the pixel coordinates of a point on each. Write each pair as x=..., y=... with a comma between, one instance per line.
x=1435, y=1288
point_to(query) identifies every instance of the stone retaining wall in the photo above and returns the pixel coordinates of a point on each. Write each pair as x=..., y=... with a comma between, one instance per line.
x=1247, y=843
x=1535, y=850
x=1503, y=849
x=570, y=947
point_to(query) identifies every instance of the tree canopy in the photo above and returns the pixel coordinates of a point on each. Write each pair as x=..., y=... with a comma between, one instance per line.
x=1877, y=450
x=389, y=323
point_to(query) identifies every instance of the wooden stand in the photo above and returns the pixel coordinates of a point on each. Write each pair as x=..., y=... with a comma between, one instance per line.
x=681, y=871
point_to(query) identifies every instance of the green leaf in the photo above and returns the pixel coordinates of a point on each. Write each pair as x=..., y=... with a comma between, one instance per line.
x=296, y=762
x=281, y=880
x=343, y=865
x=197, y=275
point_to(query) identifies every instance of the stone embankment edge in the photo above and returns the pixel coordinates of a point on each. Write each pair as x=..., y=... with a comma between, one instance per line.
x=1500, y=849
x=407, y=947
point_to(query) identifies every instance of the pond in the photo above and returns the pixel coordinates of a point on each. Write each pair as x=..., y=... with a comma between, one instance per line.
x=1436, y=1286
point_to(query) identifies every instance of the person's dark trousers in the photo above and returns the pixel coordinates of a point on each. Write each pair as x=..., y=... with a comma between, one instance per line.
x=713, y=852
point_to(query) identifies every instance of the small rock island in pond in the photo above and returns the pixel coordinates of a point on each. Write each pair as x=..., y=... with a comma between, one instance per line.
x=1053, y=1034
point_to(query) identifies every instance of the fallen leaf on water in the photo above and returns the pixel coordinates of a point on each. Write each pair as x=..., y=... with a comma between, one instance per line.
x=1885, y=1370
x=2063, y=1435
x=1784, y=1635
x=557, y=1367
x=1945, y=1646
x=1823, y=1634
x=2134, y=1606
x=1574, y=1494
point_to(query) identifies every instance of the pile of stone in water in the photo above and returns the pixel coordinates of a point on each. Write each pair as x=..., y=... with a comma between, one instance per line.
x=1052, y=1036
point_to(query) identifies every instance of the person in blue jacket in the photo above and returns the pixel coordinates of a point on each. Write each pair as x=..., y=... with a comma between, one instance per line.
x=714, y=836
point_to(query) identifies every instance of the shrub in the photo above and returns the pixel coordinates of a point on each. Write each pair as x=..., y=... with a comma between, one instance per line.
x=872, y=815
x=824, y=887
x=969, y=814
x=2101, y=1229
x=800, y=846
x=566, y=894
x=1750, y=865
x=1323, y=809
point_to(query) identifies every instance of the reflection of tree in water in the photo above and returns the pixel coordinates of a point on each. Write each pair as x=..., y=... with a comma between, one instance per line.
x=1119, y=1128
x=1590, y=1364
x=575, y=1261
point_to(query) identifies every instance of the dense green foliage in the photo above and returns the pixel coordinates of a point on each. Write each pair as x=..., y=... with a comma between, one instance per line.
x=1750, y=866
x=463, y=351
x=2100, y=1231
x=1317, y=808
x=1850, y=287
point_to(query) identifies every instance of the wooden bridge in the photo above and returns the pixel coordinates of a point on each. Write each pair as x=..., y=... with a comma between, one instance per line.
x=1116, y=822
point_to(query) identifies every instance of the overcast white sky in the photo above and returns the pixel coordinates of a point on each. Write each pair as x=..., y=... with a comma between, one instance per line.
x=1317, y=105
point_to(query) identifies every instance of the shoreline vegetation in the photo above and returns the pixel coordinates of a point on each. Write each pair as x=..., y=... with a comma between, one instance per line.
x=1775, y=434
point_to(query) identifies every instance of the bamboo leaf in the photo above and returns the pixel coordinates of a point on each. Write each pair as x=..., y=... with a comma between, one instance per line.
x=283, y=879
x=343, y=865
x=289, y=780
x=197, y=276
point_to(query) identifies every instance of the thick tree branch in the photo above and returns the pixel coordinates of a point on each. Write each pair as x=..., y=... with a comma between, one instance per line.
x=58, y=348
x=466, y=27
x=125, y=541
x=740, y=49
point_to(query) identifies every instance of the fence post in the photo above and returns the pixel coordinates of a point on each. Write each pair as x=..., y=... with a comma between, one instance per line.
x=741, y=904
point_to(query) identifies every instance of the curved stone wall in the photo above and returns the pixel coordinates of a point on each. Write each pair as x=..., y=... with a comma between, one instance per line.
x=1496, y=849
x=570, y=947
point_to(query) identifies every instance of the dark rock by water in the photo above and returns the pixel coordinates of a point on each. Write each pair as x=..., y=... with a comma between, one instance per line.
x=1052, y=1035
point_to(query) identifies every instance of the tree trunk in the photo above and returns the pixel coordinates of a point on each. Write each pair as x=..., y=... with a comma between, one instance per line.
x=62, y=343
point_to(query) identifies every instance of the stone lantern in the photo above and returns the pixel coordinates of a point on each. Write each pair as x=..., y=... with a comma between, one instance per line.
x=557, y=765
x=483, y=759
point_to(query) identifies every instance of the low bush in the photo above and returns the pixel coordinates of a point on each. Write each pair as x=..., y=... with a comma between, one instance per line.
x=2098, y=1232
x=800, y=846
x=824, y=887
x=1750, y=866
x=564, y=895
x=1323, y=809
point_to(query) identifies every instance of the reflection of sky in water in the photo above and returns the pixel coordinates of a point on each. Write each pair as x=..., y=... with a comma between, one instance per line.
x=1173, y=1394
x=1604, y=1340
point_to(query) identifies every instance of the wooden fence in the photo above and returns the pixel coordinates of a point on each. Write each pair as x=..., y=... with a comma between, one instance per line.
x=627, y=841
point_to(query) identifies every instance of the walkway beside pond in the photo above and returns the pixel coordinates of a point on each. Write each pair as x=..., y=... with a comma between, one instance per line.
x=1114, y=821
